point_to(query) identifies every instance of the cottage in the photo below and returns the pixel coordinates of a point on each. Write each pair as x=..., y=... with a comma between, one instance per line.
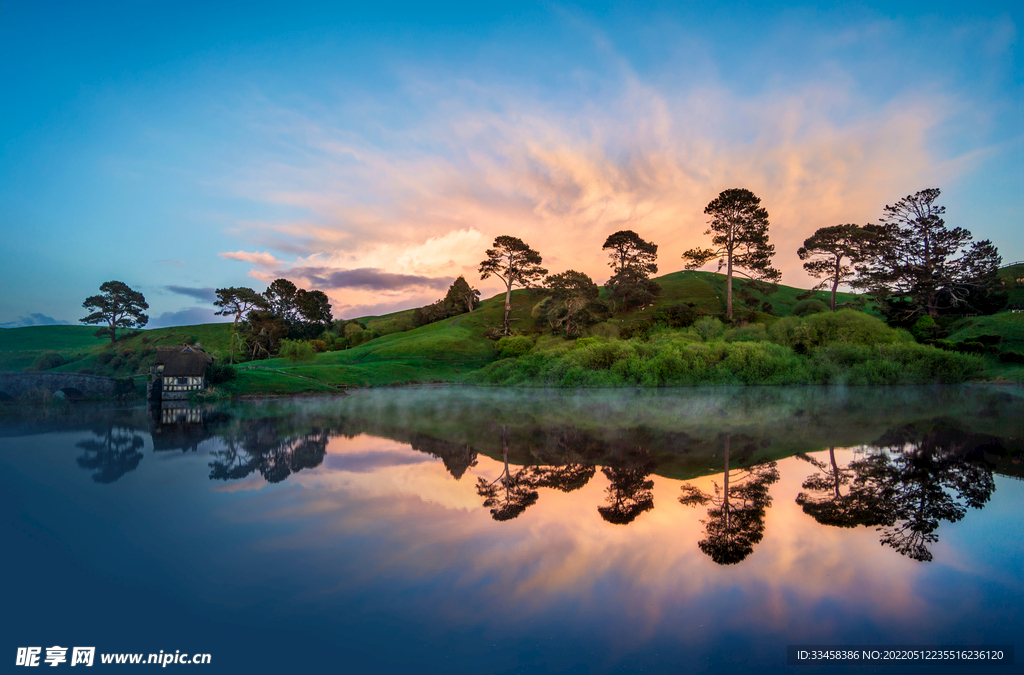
x=179, y=371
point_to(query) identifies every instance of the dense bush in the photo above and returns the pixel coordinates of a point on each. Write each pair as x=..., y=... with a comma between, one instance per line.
x=48, y=360
x=219, y=373
x=514, y=345
x=708, y=328
x=752, y=333
x=668, y=359
x=678, y=316
x=808, y=307
x=803, y=335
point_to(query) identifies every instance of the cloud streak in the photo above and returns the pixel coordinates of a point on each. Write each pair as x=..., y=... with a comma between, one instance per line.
x=207, y=294
x=366, y=278
x=34, y=319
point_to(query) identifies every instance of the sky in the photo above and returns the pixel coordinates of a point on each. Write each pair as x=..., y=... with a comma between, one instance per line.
x=374, y=150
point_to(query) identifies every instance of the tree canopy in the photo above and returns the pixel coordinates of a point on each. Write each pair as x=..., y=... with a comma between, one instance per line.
x=920, y=266
x=118, y=306
x=238, y=301
x=825, y=251
x=572, y=296
x=516, y=264
x=739, y=229
x=632, y=263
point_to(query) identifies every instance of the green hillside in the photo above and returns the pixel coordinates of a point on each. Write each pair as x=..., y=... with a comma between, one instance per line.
x=447, y=351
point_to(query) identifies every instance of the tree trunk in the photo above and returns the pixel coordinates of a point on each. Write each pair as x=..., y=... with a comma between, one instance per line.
x=728, y=286
x=508, y=306
x=835, y=282
x=725, y=485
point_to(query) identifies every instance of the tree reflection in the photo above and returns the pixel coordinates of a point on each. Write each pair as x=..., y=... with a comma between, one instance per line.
x=113, y=453
x=925, y=478
x=834, y=496
x=735, y=522
x=515, y=493
x=259, y=447
x=568, y=469
x=629, y=494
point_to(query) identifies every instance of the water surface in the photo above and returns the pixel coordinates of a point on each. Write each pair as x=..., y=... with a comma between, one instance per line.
x=462, y=531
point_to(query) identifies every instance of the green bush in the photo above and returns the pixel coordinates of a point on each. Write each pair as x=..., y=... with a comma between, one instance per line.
x=808, y=307
x=752, y=333
x=708, y=328
x=48, y=360
x=219, y=373
x=512, y=346
x=103, y=358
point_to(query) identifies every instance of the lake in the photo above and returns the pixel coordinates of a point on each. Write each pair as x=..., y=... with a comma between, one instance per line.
x=463, y=530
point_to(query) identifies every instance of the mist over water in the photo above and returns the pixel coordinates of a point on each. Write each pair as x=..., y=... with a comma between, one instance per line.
x=441, y=528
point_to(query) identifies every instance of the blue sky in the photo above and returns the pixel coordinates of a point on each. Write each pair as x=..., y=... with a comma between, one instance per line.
x=375, y=150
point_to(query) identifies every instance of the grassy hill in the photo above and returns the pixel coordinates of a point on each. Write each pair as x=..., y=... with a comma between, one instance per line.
x=446, y=351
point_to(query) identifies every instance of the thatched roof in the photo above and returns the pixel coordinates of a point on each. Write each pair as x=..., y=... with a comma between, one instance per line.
x=183, y=361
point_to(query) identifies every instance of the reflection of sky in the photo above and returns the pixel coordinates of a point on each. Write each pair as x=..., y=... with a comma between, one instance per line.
x=378, y=553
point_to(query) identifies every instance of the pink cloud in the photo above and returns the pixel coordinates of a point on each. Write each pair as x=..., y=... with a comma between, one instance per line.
x=262, y=259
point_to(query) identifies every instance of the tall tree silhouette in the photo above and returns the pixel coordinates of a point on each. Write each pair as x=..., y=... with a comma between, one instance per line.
x=113, y=453
x=629, y=494
x=735, y=522
x=515, y=493
x=516, y=264
x=739, y=229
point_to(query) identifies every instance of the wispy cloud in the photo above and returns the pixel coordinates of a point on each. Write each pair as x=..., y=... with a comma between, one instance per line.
x=191, y=316
x=207, y=294
x=34, y=319
x=365, y=278
x=263, y=259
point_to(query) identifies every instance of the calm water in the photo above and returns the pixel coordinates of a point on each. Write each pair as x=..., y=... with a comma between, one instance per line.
x=453, y=530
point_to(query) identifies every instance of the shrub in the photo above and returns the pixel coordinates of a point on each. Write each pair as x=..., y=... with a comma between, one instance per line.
x=708, y=328
x=753, y=333
x=296, y=350
x=318, y=345
x=1011, y=357
x=636, y=329
x=513, y=346
x=103, y=358
x=48, y=360
x=219, y=373
x=808, y=307
x=926, y=330
x=678, y=316
x=605, y=330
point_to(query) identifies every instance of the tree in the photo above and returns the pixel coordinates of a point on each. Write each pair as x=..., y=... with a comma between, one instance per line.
x=571, y=293
x=739, y=228
x=238, y=301
x=919, y=266
x=735, y=522
x=632, y=263
x=462, y=297
x=825, y=250
x=515, y=263
x=314, y=308
x=119, y=307
x=282, y=298
x=297, y=350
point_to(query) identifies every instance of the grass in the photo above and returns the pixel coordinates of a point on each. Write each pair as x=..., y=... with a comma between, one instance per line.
x=458, y=350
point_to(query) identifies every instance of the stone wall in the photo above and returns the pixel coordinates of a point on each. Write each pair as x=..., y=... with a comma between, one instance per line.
x=13, y=385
